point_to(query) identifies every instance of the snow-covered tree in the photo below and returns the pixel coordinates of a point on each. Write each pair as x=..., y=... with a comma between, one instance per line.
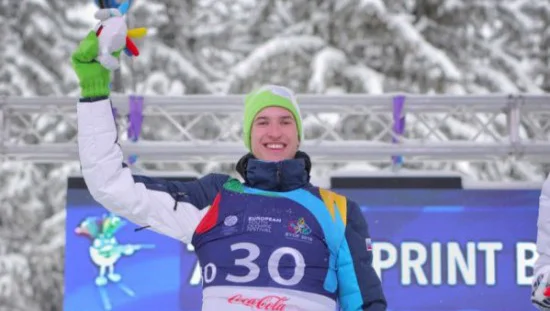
x=431, y=46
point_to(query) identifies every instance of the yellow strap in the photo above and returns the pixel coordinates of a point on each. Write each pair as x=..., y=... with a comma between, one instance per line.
x=328, y=200
x=342, y=205
x=332, y=199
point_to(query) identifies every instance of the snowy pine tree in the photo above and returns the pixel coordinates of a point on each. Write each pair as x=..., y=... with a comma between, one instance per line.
x=435, y=46
x=37, y=40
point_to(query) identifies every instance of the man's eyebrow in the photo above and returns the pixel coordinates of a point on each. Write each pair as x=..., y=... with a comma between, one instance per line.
x=280, y=118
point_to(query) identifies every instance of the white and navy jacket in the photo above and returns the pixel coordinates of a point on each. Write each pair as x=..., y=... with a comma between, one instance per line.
x=274, y=242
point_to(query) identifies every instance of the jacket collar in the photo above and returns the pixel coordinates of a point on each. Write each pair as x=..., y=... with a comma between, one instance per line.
x=282, y=176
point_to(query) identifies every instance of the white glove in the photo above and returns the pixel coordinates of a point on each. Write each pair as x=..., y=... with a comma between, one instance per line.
x=540, y=291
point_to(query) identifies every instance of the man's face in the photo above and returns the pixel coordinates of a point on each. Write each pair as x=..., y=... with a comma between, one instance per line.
x=274, y=135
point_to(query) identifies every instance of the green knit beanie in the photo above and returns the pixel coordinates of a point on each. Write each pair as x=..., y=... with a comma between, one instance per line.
x=269, y=96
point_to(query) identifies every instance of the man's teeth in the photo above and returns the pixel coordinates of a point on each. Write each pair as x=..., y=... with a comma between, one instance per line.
x=275, y=146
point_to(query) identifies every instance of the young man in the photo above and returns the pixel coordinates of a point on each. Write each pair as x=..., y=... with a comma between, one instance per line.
x=274, y=242
x=540, y=294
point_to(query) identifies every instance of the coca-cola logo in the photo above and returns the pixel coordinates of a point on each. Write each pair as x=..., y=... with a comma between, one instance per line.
x=272, y=302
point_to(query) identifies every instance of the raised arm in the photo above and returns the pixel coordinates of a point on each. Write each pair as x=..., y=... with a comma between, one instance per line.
x=359, y=287
x=171, y=208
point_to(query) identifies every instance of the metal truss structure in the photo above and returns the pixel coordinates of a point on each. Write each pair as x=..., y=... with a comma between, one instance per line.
x=339, y=128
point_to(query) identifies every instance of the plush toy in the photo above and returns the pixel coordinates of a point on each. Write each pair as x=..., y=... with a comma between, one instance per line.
x=106, y=4
x=113, y=35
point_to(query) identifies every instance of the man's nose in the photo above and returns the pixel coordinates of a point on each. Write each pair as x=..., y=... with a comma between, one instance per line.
x=275, y=131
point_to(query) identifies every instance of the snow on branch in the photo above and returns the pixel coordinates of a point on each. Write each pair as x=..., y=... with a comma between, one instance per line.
x=405, y=31
x=377, y=6
x=325, y=63
x=158, y=83
x=219, y=32
x=513, y=12
x=208, y=68
x=14, y=264
x=259, y=14
x=51, y=225
x=370, y=80
x=277, y=46
x=17, y=85
x=517, y=69
x=14, y=269
x=36, y=75
x=451, y=5
x=212, y=30
x=282, y=11
x=497, y=80
x=183, y=66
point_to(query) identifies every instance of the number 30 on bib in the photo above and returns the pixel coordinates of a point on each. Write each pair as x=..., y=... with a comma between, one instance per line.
x=210, y=270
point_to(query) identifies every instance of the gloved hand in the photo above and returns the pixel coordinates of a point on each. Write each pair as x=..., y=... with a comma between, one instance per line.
x=540, y=291
x=94, y=79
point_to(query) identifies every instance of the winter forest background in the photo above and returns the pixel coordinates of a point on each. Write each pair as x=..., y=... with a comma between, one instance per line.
x=231, y=46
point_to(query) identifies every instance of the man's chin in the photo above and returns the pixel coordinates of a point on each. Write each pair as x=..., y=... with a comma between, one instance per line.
x=274, y=156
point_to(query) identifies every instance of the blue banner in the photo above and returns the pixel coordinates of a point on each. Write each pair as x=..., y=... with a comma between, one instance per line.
x=434, y=250
x=453, y=249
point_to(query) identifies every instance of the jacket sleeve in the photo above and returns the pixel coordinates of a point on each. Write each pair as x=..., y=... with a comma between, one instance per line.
x=359, y=287
x=543, y=228
x=167, y=207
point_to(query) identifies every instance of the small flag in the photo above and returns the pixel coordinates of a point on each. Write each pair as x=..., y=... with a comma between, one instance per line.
x=369, y=244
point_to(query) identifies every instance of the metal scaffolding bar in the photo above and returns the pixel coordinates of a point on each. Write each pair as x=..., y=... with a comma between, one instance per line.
x=308, y=102
x=43, y=129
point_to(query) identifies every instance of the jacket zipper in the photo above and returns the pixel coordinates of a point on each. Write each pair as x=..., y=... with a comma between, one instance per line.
x=279, y=176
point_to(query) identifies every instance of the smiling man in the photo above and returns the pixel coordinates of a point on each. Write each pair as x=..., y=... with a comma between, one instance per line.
x=274, y=116
x=271, y=242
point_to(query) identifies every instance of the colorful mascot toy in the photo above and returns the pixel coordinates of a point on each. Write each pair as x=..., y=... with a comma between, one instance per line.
x=113, y=34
